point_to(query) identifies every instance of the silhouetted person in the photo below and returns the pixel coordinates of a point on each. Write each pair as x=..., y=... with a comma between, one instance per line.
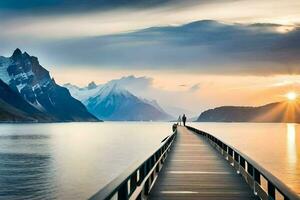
x=183, y=119
x=179, y=120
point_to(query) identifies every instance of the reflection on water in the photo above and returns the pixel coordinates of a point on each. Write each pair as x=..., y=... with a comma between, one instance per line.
x=74, y=160
x=275, y=146
x=70, y=160
x=291, y=145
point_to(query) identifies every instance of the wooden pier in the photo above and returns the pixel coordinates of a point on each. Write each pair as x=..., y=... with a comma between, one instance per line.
x=195, y=170
x=192, y=164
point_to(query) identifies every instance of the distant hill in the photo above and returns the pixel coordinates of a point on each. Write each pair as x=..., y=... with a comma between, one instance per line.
x=37, y=95
x=274, y=112
x=112, y=102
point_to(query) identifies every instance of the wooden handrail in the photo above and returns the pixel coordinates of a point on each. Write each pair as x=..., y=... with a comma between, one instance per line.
x=251, y=171
x=137, y=180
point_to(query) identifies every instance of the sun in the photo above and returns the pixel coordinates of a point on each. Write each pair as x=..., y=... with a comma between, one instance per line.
x=291, y=96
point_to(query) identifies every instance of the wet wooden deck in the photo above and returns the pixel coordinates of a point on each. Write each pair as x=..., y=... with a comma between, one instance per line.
x=195, y=170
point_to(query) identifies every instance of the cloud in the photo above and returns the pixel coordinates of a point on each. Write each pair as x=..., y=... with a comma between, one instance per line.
x=74, y=5
x=199, y=47
x=34, y=19
x=133, y=83
x=60, y=6
x=195, y=88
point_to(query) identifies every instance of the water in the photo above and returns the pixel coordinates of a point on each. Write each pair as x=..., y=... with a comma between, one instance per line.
x=74, y=160
x=275, y=146
x=70, y=160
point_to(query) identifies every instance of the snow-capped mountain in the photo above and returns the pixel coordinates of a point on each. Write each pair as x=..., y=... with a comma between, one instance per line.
x=83, y=94
x=27, y=77
x=113, y=102
x=153, y=103
x=14, y=108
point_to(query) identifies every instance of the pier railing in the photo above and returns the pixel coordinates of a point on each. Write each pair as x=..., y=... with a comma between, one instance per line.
x=264, y=184
x=136, y=182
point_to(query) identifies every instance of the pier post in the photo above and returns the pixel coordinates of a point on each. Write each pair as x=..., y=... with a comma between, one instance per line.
x=123, y=192
x=271, y=190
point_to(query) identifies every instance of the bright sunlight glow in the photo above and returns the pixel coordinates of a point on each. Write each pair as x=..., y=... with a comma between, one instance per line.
x=291, y=96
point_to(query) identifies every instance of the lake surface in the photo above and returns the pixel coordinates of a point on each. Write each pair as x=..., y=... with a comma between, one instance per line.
x=276, y=146
x=70, y=160
x=74, y=160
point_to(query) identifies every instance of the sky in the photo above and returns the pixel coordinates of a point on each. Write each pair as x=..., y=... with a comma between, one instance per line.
x=203, y=53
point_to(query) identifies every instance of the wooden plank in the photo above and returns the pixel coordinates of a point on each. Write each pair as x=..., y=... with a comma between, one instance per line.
x=194, y=170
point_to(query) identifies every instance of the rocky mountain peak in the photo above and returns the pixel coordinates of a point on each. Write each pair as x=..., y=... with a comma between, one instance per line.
x=17, y=54
x=24, y=75
x=26, y=55
x=91, y=85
